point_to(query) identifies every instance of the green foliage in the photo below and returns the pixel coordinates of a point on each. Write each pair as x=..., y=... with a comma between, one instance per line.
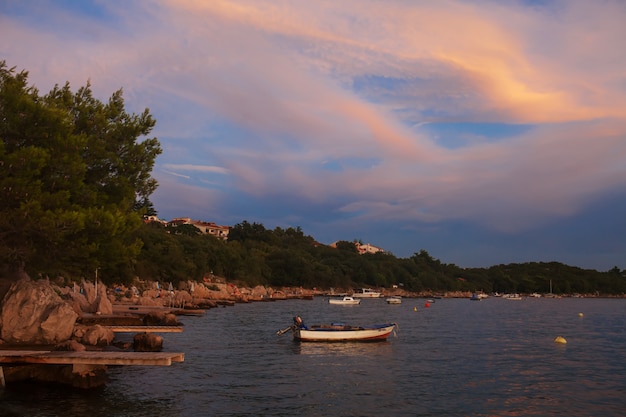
x=287, y=257
x=71, y=171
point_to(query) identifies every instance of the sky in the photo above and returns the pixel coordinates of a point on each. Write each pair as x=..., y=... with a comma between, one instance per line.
x=484, y=132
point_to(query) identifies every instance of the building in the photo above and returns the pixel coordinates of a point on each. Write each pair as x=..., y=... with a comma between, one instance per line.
x=207, y=228
x=362, y=248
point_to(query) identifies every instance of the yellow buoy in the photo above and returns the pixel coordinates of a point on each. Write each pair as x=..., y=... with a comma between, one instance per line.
x=580, y=314
x=560, y=339
x=414, y=308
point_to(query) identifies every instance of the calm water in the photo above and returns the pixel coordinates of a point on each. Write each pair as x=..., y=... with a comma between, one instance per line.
x=456, y=358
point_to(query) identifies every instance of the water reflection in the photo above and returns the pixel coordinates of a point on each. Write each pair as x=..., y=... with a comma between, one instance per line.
x=342, y=348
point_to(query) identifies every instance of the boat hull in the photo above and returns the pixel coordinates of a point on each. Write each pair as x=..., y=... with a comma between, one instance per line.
x=340, y=333
x=348, y=301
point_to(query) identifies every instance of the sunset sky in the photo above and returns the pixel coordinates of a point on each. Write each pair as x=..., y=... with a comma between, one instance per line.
x=485, y=132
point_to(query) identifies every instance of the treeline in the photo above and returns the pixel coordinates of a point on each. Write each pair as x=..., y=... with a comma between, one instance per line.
x=254, y=255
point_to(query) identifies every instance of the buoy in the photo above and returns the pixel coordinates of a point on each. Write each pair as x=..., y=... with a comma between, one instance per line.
x=414, y=308
x=580, y=314
x=427, y=305
x=560, y=339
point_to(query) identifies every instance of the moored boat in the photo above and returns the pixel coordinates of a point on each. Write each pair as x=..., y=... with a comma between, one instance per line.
x=338, y=332
x=394, y=299
x=366, y=293
x=350, y=301
x=513, y=297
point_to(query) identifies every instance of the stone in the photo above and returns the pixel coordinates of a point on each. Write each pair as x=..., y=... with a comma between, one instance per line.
x=33, y=313
x=70, y=346
x=147, y=342
x=95, y=335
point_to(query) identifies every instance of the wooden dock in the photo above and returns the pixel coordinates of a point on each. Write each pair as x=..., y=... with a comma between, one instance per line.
x=146, y=329
x=90, y=357
x=86, y=361
x=143, y=310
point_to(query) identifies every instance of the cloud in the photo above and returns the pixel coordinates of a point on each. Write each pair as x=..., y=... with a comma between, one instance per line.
x=340, y=106
x=196, y=168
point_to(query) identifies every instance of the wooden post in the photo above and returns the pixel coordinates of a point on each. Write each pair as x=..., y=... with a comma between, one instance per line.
x=2, y=381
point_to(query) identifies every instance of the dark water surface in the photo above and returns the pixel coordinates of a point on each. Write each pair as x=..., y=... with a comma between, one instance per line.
x=456, y=358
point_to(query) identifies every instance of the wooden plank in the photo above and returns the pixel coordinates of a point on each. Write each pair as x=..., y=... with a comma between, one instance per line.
x=92, y=357
x=143, y=310
x=147, y=329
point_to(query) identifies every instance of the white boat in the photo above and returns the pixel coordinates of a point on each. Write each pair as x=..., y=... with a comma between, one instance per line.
x=350, y=301
x=513, y=297
x=338, y=332
x=394, y=299
x=366, y=293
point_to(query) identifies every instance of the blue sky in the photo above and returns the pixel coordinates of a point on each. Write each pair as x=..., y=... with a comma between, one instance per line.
x=484, y=132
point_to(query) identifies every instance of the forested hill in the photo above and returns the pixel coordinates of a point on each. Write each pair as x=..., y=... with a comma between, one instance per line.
x=255, y=255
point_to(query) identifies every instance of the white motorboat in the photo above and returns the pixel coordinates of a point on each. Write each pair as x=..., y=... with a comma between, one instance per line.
x=366, y=293
x=394, y=299
x=350, y=301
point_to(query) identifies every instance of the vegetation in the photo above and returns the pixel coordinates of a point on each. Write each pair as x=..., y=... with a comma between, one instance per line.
x=75, y=181
x=255, y=255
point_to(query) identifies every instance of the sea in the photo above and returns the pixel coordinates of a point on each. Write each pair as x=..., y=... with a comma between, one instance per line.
x=448, y=357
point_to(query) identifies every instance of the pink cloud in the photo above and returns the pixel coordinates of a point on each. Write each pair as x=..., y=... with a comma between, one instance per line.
x=283, y=72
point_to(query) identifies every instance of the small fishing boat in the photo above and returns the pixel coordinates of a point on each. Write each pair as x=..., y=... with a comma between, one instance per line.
x=338, y=332
x=394, y=299
x=346, y=301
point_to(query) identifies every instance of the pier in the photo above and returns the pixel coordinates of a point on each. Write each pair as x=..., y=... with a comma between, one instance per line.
x=86, y=361
x=146, y=329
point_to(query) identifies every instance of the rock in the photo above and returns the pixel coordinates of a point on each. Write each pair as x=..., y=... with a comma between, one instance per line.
x=149, y=301
x=103, y=304
x=95, y=335
x=147, y=342
x=70, y=346
x=170, y=320
x=160, y=318
x=90, y=300
x=259, y=292
x=154, y=318
x=33, y=313
x=182, y=297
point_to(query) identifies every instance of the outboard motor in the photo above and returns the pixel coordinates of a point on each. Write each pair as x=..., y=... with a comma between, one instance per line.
x=297, y=321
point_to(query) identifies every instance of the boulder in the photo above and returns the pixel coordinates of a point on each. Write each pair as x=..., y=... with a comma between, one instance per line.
x=259, y=292
x=33, y=313
x=147, y=342
x=96, y=335
x=84, y=299
x=182, y=297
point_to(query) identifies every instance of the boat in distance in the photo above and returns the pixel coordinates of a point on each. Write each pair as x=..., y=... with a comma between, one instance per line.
x=394, y=299
x=366, y=293
x=346, y=301
x=338, y=332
